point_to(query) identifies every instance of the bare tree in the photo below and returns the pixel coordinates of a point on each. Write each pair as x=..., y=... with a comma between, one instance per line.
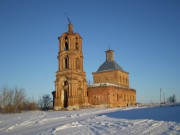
x=172, y=99
x=7, y=100
x=45, y=102
x=19, y=99
x=14, y=100
x=40, y=102
x=30, y=104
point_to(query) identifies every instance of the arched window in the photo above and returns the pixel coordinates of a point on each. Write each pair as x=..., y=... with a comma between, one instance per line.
x=76, y=39
x=66, y=44
x=107, y=80
x=77, y=64
x=65, y=83
x=66, y=63
x=77, y=46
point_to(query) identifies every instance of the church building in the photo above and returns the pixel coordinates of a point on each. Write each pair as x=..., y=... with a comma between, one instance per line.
x=111, y=83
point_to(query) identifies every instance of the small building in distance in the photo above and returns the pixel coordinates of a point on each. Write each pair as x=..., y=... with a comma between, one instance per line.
x=111, y=85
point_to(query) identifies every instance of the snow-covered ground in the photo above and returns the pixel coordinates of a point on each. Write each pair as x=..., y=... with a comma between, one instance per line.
x=137, y=120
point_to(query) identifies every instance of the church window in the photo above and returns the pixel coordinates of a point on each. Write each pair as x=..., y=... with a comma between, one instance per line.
x=77, y=46
x=107, y=80
x=108, y=56
x=79, y=92
x=98, y=80
x=66, y=44
x=77, y=64
x=65, y=83
x=66, y=63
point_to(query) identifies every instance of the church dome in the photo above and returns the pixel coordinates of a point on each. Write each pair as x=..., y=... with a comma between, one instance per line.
x=109, y=65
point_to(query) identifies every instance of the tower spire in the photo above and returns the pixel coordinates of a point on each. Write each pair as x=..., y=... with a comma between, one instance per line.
x=70, y=25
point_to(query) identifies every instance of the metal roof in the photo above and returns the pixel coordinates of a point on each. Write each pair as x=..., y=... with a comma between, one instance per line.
x=109, y=65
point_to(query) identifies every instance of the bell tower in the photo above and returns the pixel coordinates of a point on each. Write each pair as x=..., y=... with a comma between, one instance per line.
x=70, y=84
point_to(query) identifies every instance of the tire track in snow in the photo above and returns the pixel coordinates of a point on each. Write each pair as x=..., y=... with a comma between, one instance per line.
x=162, y=128
x=92, y=124
x=154, y=127
x=136, y=127
x=32, y=120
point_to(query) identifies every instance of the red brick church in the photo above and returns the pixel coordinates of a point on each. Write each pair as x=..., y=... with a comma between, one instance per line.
x=110, y=82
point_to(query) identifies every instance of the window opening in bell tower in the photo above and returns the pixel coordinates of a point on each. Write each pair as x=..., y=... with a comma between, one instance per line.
x=77, y=46
x=65, y=83
x=66, y=63
x=66, y=44
x=77, y=64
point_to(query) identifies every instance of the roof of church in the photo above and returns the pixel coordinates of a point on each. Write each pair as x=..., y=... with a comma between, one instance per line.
x=109, y=65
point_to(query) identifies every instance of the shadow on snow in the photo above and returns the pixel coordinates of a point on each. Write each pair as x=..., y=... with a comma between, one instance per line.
x=164, y=113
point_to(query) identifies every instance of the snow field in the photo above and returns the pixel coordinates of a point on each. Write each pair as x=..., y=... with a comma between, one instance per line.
x=94, y=121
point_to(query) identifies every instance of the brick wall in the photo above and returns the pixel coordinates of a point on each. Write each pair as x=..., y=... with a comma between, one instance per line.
x=111, y=96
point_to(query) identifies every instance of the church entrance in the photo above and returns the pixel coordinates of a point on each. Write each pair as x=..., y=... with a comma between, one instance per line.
x=65, y=99
x=66, y=94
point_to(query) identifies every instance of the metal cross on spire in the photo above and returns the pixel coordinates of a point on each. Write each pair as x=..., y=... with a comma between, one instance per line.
x=67, y=18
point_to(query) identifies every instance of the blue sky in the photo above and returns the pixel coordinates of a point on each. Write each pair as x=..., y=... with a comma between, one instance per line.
x=145, y=35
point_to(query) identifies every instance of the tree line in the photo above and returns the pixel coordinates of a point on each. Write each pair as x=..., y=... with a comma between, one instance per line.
x=15, y=101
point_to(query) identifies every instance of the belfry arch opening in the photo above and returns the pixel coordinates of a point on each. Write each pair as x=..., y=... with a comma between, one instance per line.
x=66, y=44
x=65, y=83
x=77, y=64
x=77, y=46
x=66, y=63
